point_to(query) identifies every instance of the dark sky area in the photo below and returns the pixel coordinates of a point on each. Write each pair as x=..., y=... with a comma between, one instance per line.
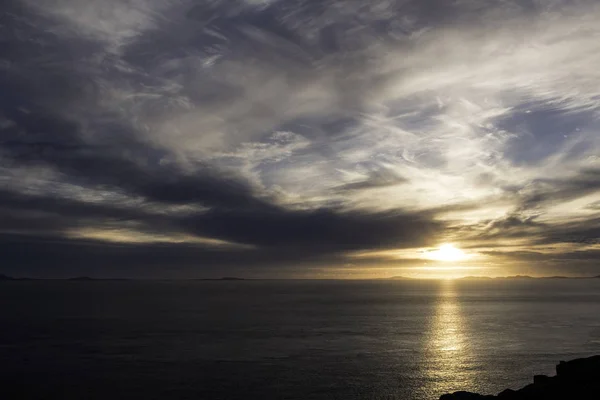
x=299, y=138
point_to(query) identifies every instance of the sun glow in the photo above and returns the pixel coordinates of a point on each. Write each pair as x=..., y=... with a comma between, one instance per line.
x=447, y=252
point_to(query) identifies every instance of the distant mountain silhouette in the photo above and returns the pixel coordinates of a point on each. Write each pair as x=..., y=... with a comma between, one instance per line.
x=10, y=278
x=477, y=278
x=527, y=277
x=519, y=277
x=513, y=277
x=577, y=379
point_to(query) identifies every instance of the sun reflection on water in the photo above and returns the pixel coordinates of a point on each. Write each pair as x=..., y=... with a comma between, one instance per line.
x=448, y=352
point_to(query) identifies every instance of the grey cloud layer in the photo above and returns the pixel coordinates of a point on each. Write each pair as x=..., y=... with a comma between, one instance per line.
x=301, y=129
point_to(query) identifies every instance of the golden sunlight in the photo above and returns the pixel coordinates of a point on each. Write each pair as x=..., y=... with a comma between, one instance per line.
x=447, y=252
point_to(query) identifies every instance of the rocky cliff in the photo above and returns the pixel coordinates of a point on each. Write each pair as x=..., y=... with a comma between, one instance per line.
x=577, y=380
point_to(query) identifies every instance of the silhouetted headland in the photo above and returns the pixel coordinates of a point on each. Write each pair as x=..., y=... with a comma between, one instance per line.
x=577, y=379
x=527, y=277
x=513, y=277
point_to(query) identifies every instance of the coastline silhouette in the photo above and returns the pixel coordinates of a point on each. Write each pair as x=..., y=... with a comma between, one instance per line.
x=576, y=379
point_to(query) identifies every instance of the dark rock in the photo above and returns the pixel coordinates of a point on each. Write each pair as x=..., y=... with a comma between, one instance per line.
x=464, y=396
x=581, y=368
x=541, y=379
x=506, y=394
x=577, y=379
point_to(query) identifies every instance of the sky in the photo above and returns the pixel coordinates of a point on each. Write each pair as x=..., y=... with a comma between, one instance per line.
x=299, y=138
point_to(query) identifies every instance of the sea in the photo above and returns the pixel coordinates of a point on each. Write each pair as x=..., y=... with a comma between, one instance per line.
x=289, y=339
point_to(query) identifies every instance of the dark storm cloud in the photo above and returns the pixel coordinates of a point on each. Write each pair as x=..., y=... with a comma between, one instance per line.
x=321, y=230
x=286, y=243
x=39, y=138
x=579, y=232
x=512, y=226
x=532, y=202
x=583, y=232
x=542, y=191
x=51, y=256
x=540, y=233
x=52, y=215
x=277, y=233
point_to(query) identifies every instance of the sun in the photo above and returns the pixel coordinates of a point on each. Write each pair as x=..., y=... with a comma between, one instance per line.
x=447, y=252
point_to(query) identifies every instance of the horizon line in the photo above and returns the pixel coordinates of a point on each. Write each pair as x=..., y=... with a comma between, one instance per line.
x=397, y=277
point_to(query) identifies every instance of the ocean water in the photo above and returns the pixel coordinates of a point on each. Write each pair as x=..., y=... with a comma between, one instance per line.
x=288, y=339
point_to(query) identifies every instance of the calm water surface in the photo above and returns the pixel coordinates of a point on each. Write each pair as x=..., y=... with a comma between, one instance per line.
x=288, y=339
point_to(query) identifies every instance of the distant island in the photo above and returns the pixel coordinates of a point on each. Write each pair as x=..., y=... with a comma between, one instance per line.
x=514, y=277
x=576, y=379
x=525, y=277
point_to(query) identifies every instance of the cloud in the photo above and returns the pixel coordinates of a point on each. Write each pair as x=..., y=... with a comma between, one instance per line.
x=304, y=130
